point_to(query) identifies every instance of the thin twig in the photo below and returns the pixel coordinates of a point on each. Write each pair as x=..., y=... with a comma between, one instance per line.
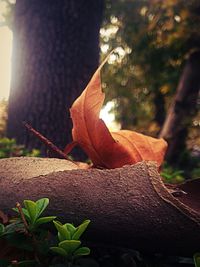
x=27, y=231
x=47, y=142
x=18, y=206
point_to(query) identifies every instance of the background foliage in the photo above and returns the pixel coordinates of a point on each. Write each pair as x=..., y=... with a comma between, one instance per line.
x=153, y=40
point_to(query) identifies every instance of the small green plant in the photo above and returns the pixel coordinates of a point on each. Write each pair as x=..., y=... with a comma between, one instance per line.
x=195, y=174
x=30, y=215
x=24, y=233
x=9, y=148
x=197, y=259
x=34, y=243
x=172, y=175
x=69, y=245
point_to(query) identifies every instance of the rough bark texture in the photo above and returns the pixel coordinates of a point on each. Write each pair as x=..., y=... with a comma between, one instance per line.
x=184, y=107
x=129, y=206
x=56, y=50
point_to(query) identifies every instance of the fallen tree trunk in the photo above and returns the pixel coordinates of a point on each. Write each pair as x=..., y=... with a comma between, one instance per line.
x=128, y=206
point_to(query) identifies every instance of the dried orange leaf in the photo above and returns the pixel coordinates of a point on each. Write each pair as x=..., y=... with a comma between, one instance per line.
x=105, y=149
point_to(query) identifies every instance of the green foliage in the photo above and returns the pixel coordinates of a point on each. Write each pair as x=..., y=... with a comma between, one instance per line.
x=190, y=169
x=32, y=212
x=187, y=163
x=145, y=74
x=152, y=41
x=172, y=175
x=197, y=259
x=9, y=148
x=195, y=173
x=69, y=245
x=35, y=242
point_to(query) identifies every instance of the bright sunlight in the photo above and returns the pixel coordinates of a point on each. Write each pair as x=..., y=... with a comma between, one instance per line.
x=5, y=61
x=5, y=76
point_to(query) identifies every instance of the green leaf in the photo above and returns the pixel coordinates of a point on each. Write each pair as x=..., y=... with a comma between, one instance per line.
x=41, y=205
x=2, y=229
x=59, y=251
x=63, y=233
x=71, y=228
x=44, y=220
x=17, y=226
x=197, y=259
x=166, y=176
x=25, y=212
x=83, y=251
x=69, y=245
x=80, y=230
x=32, y=209
x=178, y=173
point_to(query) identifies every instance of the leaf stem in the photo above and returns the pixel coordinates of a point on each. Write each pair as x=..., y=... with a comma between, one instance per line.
x=18, y=206
x=27, y=231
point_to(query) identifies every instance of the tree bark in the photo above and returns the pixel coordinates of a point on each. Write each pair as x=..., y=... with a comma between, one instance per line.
x=128, y=206
x=159, y=103
x=183, y=108
x=56, y=50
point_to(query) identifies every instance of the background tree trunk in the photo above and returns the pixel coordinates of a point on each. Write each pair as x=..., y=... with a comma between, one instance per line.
x=56, y=50
x=159, y=103
x=182, y=110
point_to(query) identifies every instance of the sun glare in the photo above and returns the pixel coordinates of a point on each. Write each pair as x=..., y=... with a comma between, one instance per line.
x=5, y=76
x=108, y=116
x=5, y=61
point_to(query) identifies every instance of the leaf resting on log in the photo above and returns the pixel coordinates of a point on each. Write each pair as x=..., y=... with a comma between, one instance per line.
x=109, y=149
x=128, y=206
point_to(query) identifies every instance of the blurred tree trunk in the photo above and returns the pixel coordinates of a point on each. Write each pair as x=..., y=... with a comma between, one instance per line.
x=56, y=50
x=159, y=103
x=183, y=109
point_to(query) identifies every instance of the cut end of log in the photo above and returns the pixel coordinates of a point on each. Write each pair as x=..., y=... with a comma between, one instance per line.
x=28, y=167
